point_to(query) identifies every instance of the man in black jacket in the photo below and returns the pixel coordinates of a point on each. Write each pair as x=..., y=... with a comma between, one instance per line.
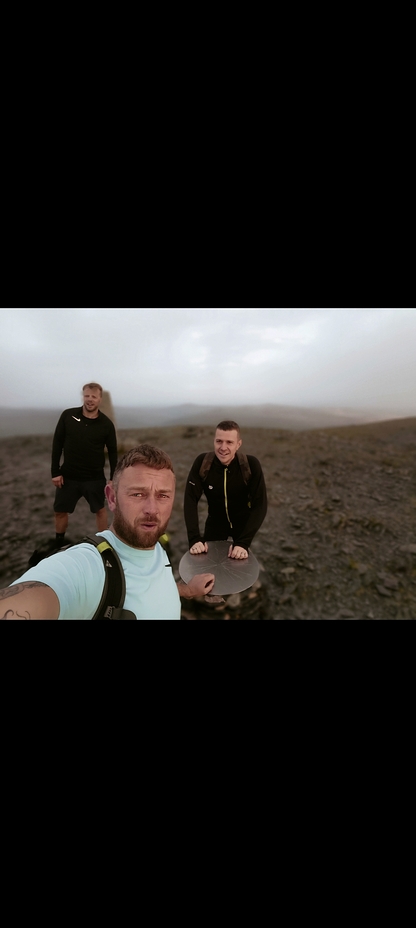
x=81, y=435
x=236, y=492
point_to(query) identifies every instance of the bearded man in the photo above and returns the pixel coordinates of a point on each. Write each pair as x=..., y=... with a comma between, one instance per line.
x=69, y=585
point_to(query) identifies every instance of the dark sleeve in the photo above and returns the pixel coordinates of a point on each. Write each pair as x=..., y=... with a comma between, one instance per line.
x=112, y=449
x=193, y=493
x=258, y=509
x=57, y=445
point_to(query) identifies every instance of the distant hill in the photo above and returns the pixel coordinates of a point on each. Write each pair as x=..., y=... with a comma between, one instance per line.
x=268, y=416
x=28, y=421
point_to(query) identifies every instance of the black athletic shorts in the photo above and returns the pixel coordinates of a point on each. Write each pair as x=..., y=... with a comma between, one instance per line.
x=66, y=497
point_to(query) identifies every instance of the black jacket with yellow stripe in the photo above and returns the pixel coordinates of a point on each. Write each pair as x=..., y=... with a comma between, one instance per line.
x=234, y=508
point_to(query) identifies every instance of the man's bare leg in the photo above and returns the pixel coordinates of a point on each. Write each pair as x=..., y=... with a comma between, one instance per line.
x=61, y=522
x=61, y=525
x=102, y=521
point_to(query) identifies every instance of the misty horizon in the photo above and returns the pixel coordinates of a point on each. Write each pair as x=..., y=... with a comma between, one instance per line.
x=397, y=408
x=25, y=421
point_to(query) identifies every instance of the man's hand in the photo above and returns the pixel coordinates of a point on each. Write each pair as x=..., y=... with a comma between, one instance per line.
x=200, y=585
x=199, y=548
x=58, y=481
x=237, y=552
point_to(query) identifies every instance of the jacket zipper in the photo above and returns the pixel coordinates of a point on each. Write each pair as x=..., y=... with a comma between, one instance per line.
x=225, y=495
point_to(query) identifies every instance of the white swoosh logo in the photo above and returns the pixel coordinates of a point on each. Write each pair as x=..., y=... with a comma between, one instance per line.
x=76, y=420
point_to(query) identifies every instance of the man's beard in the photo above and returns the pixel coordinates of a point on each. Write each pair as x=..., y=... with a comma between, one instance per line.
x=134, y=535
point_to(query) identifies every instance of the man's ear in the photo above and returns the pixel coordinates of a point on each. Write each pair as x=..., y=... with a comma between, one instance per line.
x=239, y=443
x=111, y=497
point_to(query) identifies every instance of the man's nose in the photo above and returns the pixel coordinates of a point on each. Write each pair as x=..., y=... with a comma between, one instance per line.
x=151, y=505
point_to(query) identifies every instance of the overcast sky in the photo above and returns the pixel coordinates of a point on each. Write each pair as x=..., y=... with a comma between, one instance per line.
x=337, y=358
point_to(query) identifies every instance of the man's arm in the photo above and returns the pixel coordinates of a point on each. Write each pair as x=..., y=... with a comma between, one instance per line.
x=111, y=444
x=30, y=600
x=57, y=446
x=257, y=512
x=200, y=585
x=193, y=493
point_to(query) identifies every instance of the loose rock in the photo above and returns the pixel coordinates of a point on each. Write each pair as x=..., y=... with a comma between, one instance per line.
x=382, y=590
x=332, y=529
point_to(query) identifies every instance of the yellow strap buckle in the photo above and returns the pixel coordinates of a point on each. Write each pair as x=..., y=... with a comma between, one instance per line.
x=103, y=546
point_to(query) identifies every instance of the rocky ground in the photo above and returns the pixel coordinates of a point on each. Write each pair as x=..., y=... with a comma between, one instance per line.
x=338, y=542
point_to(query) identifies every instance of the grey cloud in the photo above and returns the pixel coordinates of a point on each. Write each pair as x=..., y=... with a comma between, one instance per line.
x=162, y=357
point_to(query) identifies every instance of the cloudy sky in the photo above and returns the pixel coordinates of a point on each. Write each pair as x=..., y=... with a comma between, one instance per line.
x=333, y=358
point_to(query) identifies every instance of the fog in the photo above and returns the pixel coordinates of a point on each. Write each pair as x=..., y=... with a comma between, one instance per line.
x=355, y=359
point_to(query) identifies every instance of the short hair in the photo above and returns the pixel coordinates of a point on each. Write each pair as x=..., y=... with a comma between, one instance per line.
x=228, y=425
x=93, y=386
x=143, y=454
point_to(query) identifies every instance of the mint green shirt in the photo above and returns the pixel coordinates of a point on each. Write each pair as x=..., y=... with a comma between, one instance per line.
x=77, y=578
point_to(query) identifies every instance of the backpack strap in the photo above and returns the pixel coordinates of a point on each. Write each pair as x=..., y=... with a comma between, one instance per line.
x=114, y=590
x=206, y=465
x=242, y=460
x=245, y=466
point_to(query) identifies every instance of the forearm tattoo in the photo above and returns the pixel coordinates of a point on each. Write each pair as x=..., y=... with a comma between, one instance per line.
x=14, y=591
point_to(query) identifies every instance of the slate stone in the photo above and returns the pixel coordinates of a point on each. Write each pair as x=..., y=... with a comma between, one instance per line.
x=382, y=590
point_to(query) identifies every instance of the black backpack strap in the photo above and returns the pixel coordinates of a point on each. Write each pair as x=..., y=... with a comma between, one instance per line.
x=245, y=466
x=206, y=465
x=242, y=460
x=114, y=590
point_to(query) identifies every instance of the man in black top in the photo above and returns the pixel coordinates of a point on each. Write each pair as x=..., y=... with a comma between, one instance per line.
x=81, y=435
x=236, y=492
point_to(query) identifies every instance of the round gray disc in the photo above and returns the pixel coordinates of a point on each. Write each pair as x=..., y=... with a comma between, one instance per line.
x=231, y=575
